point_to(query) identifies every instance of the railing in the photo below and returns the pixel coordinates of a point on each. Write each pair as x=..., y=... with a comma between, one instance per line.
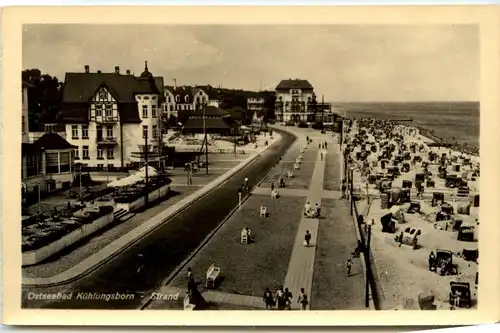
x=106, y=140
x=106, y=119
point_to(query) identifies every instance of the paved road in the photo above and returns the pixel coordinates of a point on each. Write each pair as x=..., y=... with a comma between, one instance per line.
x=140, y=269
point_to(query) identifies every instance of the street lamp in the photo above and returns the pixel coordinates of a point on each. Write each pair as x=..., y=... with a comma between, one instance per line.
x=367, y=258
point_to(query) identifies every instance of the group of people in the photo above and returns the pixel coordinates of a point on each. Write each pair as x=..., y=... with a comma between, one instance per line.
x=283, y=299
x=311, y=212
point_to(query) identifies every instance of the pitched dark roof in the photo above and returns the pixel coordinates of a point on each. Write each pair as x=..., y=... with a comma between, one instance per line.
x=79, y=88
x=52, y=141
x=211, y=123
x=294, y=84
x=182, y=92
x=29, y=148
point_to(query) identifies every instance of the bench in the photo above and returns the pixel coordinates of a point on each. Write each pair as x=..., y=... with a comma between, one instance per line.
x=212, y=275
x=187, y=303
x=275, y=194
x=263, y=211
x=290, y=174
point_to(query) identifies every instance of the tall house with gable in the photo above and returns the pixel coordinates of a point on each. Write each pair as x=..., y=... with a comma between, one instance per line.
x=108, y=116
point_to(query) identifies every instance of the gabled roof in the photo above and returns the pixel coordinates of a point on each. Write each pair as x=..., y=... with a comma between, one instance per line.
x=79, y=88
x=52, y=141
x=213, y=93
x=294, y=84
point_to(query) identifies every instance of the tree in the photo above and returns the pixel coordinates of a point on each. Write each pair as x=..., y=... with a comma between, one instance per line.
x=44, y=97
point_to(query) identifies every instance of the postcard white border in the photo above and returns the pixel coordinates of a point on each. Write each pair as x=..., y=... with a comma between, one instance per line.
x=487, y=17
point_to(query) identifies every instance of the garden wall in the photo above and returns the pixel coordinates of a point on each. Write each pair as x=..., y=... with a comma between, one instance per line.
x=139, y=203
x=36, y=256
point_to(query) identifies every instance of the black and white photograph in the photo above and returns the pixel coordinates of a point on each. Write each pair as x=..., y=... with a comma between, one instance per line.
x=273, y=167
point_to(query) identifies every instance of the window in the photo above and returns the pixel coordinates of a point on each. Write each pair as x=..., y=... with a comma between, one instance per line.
x=85, y=152
x=100, y=166
x=186, y=99
x=155, y=131
x=99, y=154
x=177, y=99
x=64, y=162
x=109, y=131
x=98, y=110
x=24, y=123
x=77, y=153
x=109, y=110
x=111, y=153
x=103, y=95
x=144, y=111
x=169, y=99
x=153, y=111
x=85, y=132
x=171, y=108
x=52, y=162
x=144, y=131
x=74, y=131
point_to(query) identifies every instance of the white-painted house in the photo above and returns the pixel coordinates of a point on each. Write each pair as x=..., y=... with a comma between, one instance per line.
x=180, y=99
x=108, y=116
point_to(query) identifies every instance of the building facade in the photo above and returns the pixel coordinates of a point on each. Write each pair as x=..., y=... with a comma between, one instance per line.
x=184, y=99
x=110, y=117
x=255, y=103
x=46, y=165
x=297, y=102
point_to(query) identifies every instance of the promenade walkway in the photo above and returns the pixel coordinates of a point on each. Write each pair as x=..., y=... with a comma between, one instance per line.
x=301, y=267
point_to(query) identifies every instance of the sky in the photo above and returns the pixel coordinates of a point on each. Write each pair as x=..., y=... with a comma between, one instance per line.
x=345, y=63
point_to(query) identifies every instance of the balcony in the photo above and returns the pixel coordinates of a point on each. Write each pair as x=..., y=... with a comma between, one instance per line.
x=109, y=140
x=106, y=119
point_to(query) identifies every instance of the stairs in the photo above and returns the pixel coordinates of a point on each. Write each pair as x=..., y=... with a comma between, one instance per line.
x=122, y=215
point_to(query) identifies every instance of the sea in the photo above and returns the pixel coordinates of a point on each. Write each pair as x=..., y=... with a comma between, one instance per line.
x=451, y=121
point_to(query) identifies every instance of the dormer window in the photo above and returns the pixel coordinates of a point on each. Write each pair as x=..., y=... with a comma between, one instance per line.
x=177, y=99
x=103, y=95
x=186, y=99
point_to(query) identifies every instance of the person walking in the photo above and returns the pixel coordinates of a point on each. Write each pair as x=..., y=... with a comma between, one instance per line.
x=321, y=156
x=288, y=299
x=272, y=187
x=348, y=266
x=190, y=278
x=302, y=300
x=326, y=144
x=307, y=238
x=318, y=210
x=280, y=298
x=268, y=299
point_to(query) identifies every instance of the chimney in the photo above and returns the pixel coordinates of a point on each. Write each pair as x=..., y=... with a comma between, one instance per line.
x=117, y=70
x=87, y=69
x=128, y=71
